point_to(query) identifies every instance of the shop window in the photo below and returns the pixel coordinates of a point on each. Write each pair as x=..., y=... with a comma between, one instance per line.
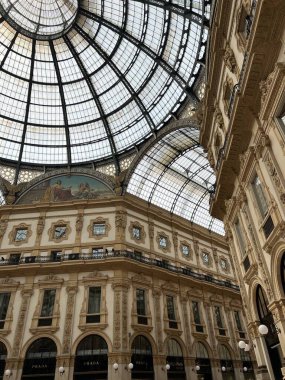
x=4, y=303
x=142, y=358
x=46, y=315
x=3, y=356
x=94, y=305
x=175, y=360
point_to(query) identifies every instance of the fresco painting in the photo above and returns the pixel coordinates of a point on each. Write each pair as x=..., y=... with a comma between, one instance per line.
x=66, y=188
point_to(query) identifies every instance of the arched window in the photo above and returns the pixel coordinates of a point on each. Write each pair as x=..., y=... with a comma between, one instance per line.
x=203, y=361
x=91, y=360
x=142, y=358
x=40, y=360
x=226, y=363
x=282, y=268
x=3, y=356
x=175, y=360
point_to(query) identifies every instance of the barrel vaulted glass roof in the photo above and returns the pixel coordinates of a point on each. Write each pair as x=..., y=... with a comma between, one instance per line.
x=175, y=174
x=89, y=80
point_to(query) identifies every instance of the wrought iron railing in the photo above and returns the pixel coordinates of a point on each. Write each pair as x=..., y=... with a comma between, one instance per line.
x=111, y=255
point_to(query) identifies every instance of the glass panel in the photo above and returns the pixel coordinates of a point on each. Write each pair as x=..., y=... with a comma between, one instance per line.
x=137, y=233
x=21, y=234
x=238, y=320
x=259, y=195
x=59, y=232
x=196, y=313
x=218, y=316
x=48, y=303
x=94, y=301
x=4, y=303
x=170, y=308
x=99, y=229
x=141, y=309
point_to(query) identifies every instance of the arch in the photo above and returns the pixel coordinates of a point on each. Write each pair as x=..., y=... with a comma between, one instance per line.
x=203, y=360
x=278, y=269
x=282, y=272
x=200, y=346
x=179, y=341
x=147, y=336
x=40, y=359
x=226, y=362
x=224, y=352
x=84, y=335
x=175, y=358
x=3, y=357
x=91, y=358
x=142, y=358
x=31, y=340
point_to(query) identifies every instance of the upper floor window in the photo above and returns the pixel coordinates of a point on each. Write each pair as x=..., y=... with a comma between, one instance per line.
x=162, y=241
x=94, y=305
x=239, y=324
x=4, y=303
x=141, y=306
x=45, y=318
x=21, y=234
x=59, y=232
x=224, y=264
x=196, y=315
x=185, y=250
x=171, y=312
x=137, y=233
x=240, y=236
x=205, y=257
x=99, y=229
x=219, y=320
x=259, y=195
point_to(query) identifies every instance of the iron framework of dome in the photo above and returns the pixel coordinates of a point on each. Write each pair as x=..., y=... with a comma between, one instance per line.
x=90, y=81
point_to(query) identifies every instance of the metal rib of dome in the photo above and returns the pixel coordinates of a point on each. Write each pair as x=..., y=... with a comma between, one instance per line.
x=175, y=174
x=113, y=77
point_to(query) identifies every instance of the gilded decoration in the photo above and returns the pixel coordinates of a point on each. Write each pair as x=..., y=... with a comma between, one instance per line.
x=99, y=228
x=137, y=232
x=59, y=231
x=20, y=234
x=163, y=242
x=185, y=250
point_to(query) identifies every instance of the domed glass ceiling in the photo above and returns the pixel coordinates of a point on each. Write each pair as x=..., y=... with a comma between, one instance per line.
x=87, y=80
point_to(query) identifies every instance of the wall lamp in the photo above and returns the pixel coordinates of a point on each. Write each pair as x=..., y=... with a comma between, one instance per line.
x=129, y=367
x=197, y=368
x=61, y=370
x=166, y=368
x=115, y=366
x=244, y=346
x=263, y=329
x=8, y=373
x=223, y=369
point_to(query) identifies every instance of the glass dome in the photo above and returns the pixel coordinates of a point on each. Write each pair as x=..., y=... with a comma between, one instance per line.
x=88, y=80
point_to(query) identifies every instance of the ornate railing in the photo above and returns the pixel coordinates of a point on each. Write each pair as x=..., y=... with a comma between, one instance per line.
x=111, y=255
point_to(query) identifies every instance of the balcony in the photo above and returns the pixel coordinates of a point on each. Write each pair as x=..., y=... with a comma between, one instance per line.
x=113, y=255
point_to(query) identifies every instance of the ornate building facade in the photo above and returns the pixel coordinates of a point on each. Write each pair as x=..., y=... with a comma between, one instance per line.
x=92, y=281
x=244, y=132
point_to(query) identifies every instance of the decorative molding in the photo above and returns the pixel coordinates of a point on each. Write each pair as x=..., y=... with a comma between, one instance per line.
x=230, y=59
x=65, y=235
x=12, y=234
x=99, y=220
x=141, y=239
x=162, y=235
x=67, y=332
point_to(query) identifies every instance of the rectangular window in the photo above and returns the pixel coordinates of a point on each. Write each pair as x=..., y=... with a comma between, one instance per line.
x=219, y=320
x=47, y=308
x=99, y=229
x=14, y=258
x=240, y=237
x=4, y=303
x=171, y=312
x=246, y=263
x=196, y=314
x=259, y=196
x=141, y=306
x=268, y=226
x=239, y=324
x=94, y=305
x=21, y=234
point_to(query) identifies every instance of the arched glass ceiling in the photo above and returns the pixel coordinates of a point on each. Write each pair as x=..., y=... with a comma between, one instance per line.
x=175, y=174
x=88, y=80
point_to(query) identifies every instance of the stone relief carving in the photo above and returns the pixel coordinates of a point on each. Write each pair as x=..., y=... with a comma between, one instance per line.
x=275, y=178
x=230, y=59
x=265, y=85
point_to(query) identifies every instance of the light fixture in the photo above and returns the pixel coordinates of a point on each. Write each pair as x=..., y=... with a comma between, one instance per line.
x=245, y=369
x=263, y=329
x=223, y=369
x=115, y=366
x=197, y=368
x=130, y=366
x=167, y=367
x=242, y=344
x=8, y=373
x=247, y=347
x=61, y=370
